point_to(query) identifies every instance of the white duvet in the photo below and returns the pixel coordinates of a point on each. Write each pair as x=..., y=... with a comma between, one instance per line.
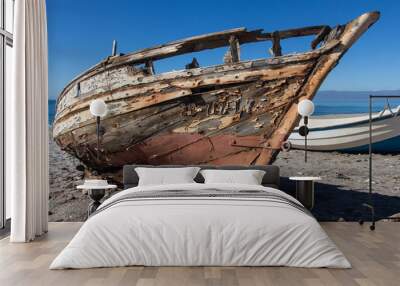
x=185, y=231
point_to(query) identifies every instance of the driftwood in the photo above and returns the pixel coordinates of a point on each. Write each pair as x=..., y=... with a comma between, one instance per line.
x=239, y=112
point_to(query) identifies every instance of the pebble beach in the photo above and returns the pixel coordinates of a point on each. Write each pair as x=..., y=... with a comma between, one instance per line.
x=343, y=187
x=339, y=195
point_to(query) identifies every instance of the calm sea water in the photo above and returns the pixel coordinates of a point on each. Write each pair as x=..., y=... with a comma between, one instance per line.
x=325, y=103
x=52, y=110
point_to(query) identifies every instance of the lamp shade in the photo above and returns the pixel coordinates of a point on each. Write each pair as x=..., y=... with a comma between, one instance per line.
x=305, y=107
x=98, y=108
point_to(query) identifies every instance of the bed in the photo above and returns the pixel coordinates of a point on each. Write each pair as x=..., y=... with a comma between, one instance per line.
x=201, y=224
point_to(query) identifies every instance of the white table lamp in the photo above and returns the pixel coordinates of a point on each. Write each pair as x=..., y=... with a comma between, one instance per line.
x=305, y=109
x=98, y=108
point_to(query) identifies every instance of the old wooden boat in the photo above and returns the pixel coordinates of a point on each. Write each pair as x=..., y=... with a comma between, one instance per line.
x=238, y=112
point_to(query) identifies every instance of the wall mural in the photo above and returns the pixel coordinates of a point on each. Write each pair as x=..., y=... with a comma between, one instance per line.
x=221, y=99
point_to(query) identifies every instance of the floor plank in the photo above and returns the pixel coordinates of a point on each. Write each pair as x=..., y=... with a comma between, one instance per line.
x=375, y=257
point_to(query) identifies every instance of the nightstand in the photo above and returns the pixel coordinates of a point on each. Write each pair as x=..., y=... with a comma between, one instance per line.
x=96, y=193
x=305, y=190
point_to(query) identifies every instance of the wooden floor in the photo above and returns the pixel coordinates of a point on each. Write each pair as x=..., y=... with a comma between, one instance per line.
x=375, y=257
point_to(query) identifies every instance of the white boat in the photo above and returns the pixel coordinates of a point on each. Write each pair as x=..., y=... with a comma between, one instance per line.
x=350, y=133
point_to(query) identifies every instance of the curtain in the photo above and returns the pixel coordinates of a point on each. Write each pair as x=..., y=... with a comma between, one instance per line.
x=27, y=124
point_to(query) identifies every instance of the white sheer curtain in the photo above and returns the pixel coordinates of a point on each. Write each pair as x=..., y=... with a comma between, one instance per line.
x=27, y=124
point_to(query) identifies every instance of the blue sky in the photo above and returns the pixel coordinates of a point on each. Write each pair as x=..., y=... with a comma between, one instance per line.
x=81, y=33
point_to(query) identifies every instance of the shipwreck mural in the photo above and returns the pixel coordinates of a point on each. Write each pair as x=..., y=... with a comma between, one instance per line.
x=239, y=112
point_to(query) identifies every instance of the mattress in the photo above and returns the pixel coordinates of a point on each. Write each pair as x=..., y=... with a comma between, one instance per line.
x=201, y=225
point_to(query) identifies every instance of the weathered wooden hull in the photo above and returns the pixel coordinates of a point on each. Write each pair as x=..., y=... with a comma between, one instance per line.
x=236, y=113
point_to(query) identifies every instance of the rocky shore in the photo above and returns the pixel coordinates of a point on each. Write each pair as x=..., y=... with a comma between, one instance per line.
x=339, y=195
x=66, y=202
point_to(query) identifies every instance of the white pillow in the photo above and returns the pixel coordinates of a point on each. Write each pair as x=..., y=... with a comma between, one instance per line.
x=248, y=177
x=165, y=176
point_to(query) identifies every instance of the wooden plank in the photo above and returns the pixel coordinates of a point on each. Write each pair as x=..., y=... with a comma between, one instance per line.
x=234, y=49
x=276, y=44
x=211, y=41
x=194, y=44
x=150, y=67
x=320, y=36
